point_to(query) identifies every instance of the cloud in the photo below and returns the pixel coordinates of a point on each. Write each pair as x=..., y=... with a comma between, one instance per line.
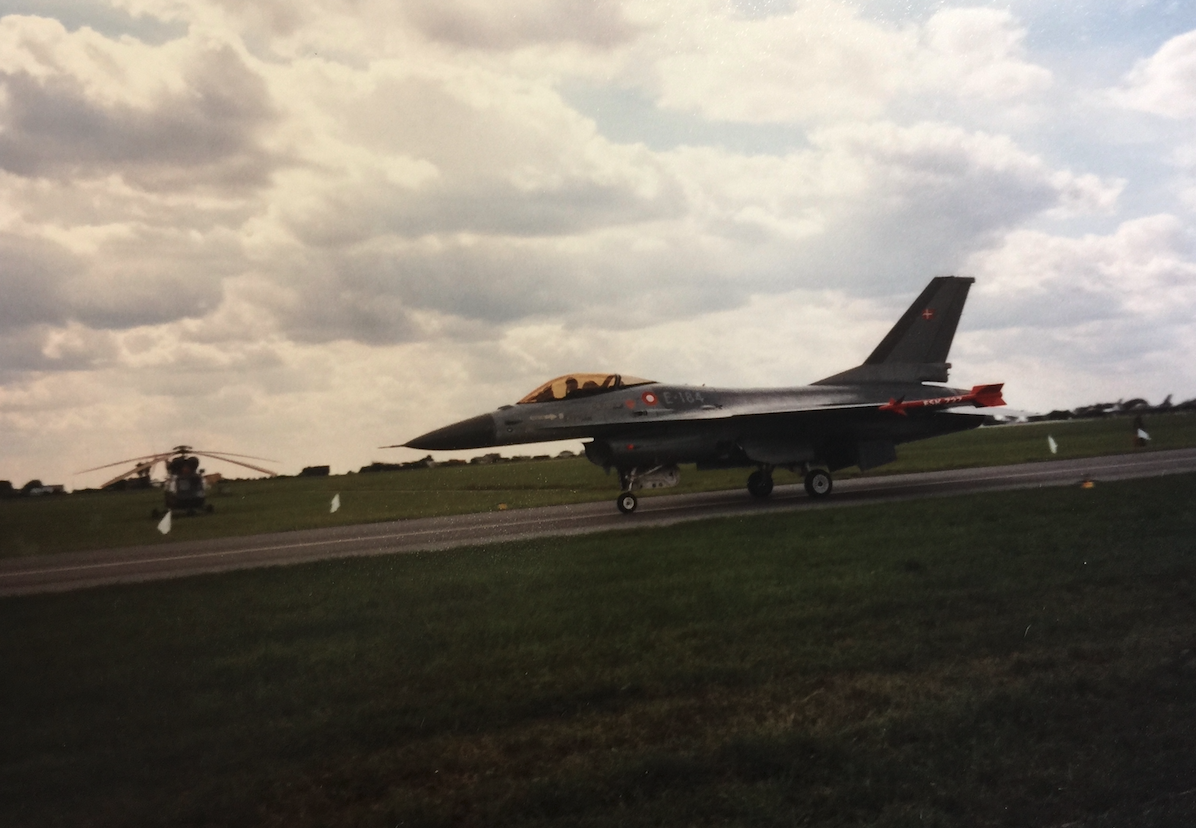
x=79, y=104
x=122, y=277
x=447, y=190
x=1165, y=83
x=977, y=52
x=131, y=279
x=33, y=274
x=1096, y=300
x=481, y=24
x=872, y=206
x=865, y=207
x=417, y=152
x=816, y=62
x=821, y=61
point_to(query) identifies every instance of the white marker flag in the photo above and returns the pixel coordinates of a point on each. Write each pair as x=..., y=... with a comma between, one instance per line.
x=1054, y=446
x=336, y=503
x=1143, y=435
x=164, y=524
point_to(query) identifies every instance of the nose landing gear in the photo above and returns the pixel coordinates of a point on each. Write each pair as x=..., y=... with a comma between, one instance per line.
x=654, y=477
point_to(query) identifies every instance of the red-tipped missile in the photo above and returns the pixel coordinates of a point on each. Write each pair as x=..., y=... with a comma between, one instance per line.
x=987, y=396
x=981, y=396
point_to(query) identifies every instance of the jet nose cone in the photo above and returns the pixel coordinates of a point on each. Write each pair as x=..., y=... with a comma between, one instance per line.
x=476, y=432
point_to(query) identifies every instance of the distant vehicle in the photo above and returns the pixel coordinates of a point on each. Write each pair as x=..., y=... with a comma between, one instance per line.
x=644, y=429
x=185, y=488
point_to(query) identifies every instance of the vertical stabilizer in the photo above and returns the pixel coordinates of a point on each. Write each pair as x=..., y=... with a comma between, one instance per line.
x=915, y=350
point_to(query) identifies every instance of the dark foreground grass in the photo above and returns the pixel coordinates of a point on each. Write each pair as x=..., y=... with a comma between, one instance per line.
x=33, y=526
x=1013, y=659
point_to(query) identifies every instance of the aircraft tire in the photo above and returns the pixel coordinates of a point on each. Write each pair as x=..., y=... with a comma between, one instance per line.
x=627, y=503
x=818, y=483
x=760, y=484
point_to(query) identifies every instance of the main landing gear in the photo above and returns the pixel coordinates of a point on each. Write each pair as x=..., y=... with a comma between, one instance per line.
x=760, y=483
x=818, y=482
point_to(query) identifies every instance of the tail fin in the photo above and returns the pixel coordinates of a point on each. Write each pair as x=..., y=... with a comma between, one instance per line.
x=915, y=350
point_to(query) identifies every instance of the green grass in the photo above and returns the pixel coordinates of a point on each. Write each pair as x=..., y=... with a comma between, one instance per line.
x=1011, y=659
x=34, y=526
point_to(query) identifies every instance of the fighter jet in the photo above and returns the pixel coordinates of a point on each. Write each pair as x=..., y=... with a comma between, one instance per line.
x=643, y=429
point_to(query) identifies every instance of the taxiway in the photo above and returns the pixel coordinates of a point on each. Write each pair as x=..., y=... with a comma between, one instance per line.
x=77, y=570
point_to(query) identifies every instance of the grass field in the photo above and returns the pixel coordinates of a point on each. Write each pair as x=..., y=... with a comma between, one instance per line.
x=34, y=526
x=1011, y=659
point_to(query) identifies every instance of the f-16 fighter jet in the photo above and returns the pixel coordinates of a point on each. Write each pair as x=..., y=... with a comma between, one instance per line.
x=643, y=429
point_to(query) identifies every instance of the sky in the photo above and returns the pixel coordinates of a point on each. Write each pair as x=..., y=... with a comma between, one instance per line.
x=304, y=229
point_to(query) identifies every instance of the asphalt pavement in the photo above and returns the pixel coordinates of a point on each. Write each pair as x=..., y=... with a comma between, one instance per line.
x=77, y=570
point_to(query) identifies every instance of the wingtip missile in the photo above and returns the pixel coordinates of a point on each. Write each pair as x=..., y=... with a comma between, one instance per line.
x=987, y=396
x=981, y=396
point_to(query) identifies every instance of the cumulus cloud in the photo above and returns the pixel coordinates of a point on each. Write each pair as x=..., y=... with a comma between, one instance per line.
x=821, y=60
x=486, y=25
x=817, y=61
x=871, y=206
x=730, y=227
x=1070, y=320
x=1085, y=299
x=34, y=272
x=977, y=52
x=1165, y=83
x=79, y=104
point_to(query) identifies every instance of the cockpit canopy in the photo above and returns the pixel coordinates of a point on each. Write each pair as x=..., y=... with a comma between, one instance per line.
x=571, y=386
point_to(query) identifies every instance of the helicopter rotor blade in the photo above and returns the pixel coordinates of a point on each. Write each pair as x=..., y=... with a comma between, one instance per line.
x=133, y=472
x=234, y=462
x=147, y=458
x=148, y=461
x=208, y=453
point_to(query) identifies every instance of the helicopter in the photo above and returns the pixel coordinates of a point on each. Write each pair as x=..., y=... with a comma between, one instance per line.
x=185, y=488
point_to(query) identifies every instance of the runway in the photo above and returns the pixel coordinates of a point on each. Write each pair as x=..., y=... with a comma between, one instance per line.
x=77, y=570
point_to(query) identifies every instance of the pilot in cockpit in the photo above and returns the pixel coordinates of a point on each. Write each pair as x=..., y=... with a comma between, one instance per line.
x=590, y=387
x=580, y=385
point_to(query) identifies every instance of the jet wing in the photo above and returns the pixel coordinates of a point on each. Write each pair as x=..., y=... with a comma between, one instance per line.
x=839, y=426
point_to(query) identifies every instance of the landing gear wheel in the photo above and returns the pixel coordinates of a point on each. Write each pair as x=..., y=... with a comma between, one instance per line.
x=627, y=503
x=760, y=484
x=818, y=483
